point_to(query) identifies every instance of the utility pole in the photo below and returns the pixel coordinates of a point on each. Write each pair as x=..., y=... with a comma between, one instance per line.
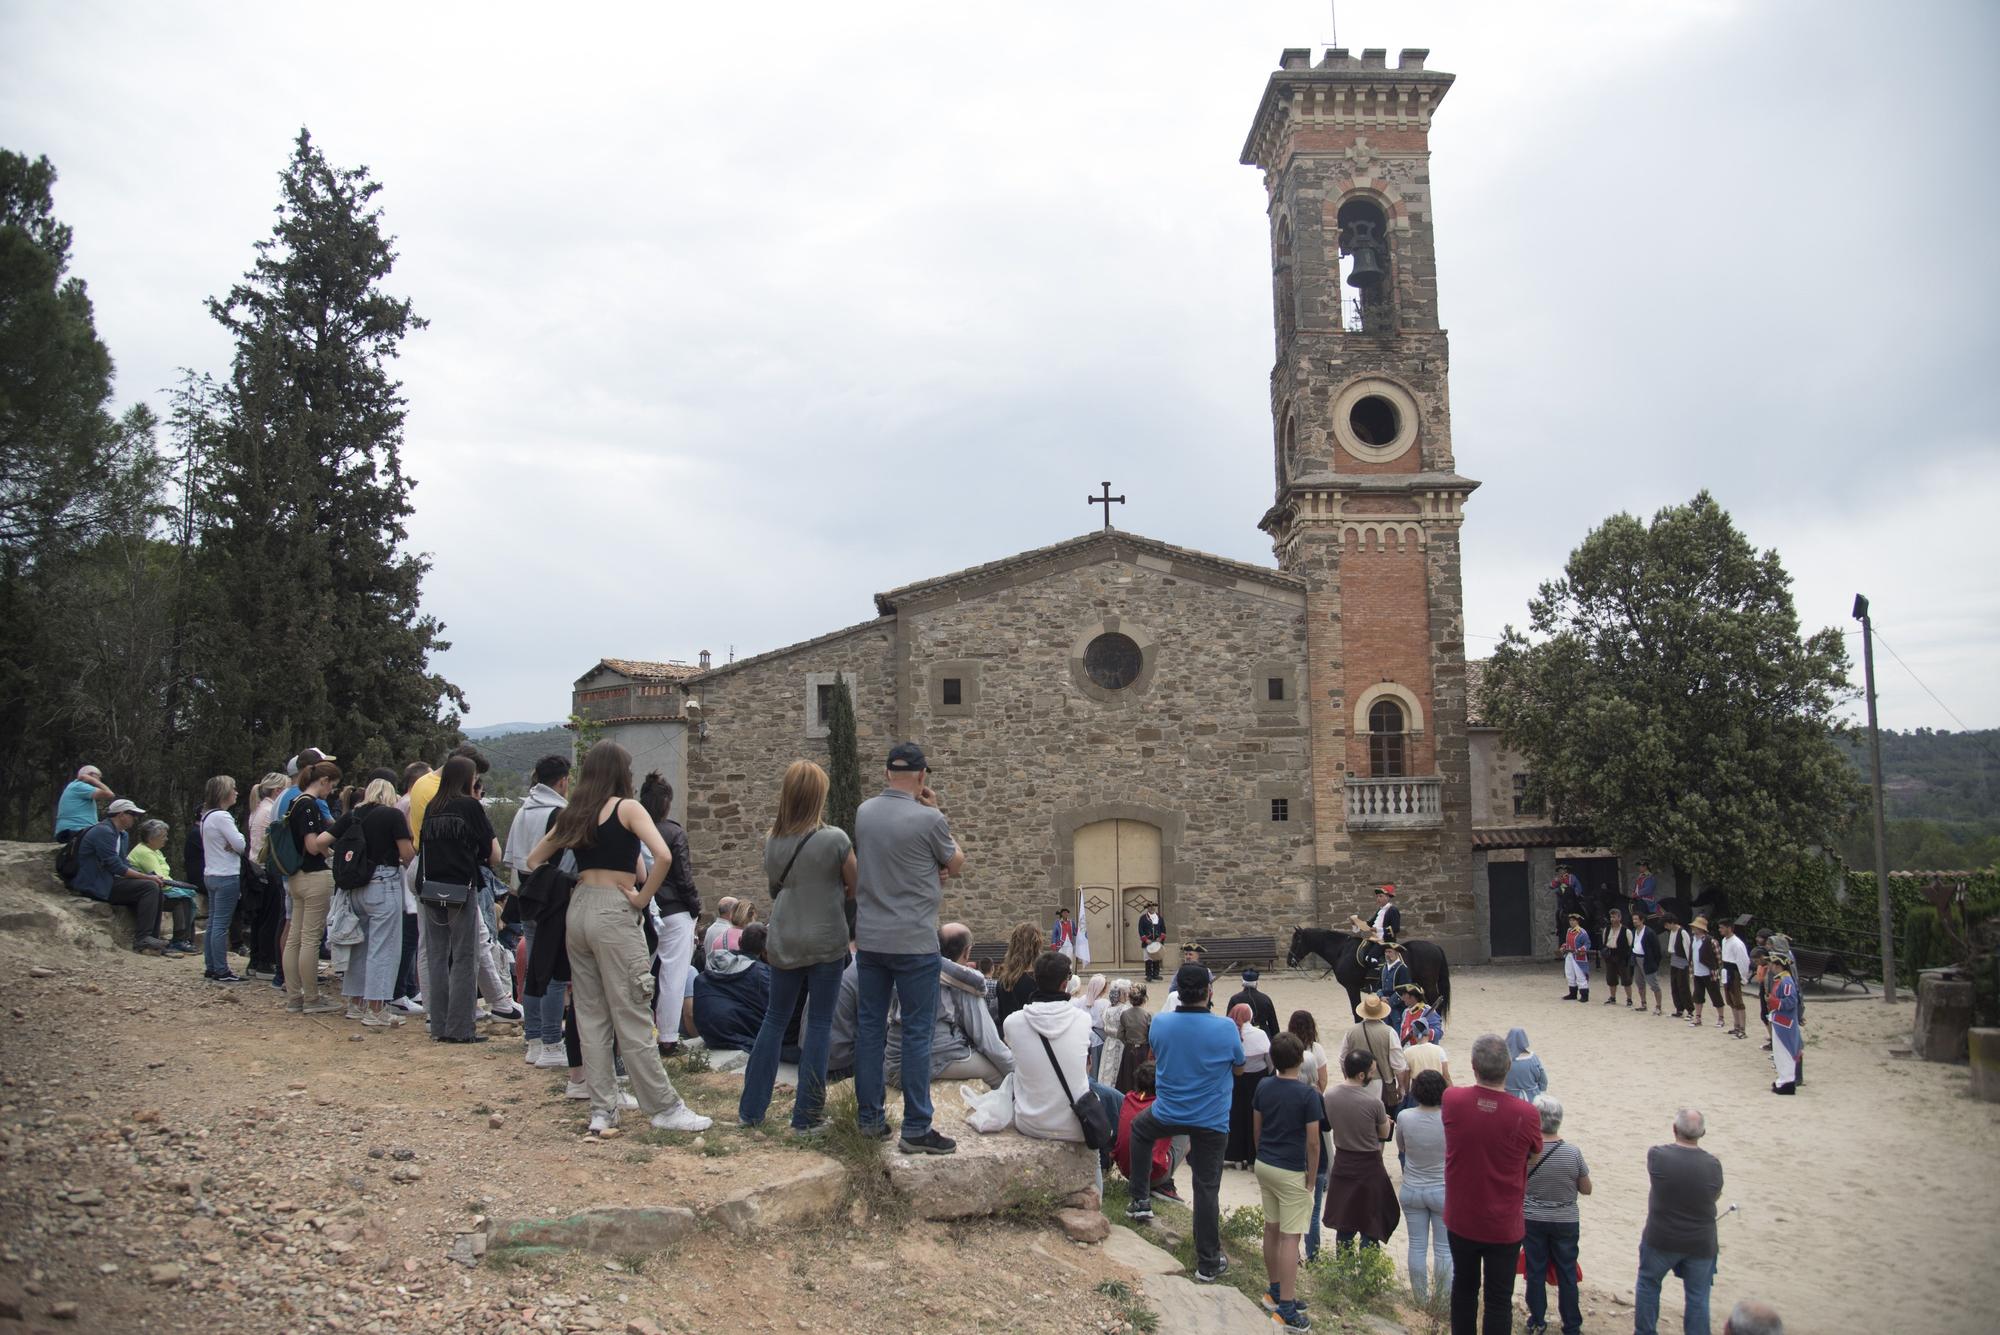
x=1875, y=772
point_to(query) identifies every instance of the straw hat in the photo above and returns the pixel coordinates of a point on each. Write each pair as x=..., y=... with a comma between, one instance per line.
x=1372, y=1008
x=1699, y=924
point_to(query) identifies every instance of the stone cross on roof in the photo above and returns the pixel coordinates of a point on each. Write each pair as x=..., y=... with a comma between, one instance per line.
x=1107, y=500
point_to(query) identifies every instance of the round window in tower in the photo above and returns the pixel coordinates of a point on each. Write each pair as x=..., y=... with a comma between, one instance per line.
x=1112, y=660
x=1374, y=421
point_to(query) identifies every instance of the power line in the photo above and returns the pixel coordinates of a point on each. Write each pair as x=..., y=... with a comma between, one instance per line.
x=1972, y=732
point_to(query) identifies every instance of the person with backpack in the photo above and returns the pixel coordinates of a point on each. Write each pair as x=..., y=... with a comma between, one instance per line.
x=300, y=843
x=371, y=844
x=222, y=848
x=76, y=811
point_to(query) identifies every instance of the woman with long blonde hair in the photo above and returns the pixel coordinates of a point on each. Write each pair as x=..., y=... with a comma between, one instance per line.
x=811, y=869
x=610, y=966
x=1016, y=974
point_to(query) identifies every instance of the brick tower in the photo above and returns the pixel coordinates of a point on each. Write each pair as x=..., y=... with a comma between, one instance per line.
x=1369, y=503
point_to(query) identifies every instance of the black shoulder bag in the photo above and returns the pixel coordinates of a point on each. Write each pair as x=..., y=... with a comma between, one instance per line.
x=779, y=884
x=440, y=894
x=1089, y=1109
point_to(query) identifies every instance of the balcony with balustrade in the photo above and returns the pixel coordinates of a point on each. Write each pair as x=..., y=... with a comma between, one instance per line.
x=1404, y=803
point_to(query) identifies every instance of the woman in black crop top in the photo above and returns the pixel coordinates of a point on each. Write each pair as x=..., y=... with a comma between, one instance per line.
x=611, y=980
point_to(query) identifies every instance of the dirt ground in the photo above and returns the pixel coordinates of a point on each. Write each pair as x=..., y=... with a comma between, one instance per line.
x=175, y=1156
x=1867, y=1202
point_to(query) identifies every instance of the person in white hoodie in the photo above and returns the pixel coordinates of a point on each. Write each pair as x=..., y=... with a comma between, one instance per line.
x=1041, y=1109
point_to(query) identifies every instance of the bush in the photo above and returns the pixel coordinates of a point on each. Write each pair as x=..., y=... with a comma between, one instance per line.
x=1244, y=1224
x=1351, y=1277
x=1924, y=943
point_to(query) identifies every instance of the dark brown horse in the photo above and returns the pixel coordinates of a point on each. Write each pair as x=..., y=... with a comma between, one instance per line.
x=1429, y=969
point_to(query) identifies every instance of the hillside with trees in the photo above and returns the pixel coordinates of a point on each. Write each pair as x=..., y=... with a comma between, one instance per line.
x=1941, y=794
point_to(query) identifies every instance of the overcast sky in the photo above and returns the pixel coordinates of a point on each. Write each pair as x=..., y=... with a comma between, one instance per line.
x=742, y=312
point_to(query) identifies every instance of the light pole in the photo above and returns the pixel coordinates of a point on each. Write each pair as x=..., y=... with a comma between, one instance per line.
x=1875, y=772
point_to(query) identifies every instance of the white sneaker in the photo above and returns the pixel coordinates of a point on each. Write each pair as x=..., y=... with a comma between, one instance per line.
x=356, y=1011
x=409, y=1005
x=382, y=1019
x=508, y=1014
x=625, y=1100
x=552, y=1057
x=534, y=1051
x=600, y=1122
x=576, y=1089
x=682, y=1118
x=480, y=1014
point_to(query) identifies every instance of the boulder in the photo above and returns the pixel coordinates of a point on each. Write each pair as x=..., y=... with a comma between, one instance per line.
x=991, y=1175
x=1187, y=1308
x=1944, y=1016
x=1984, y=1046
x=1083, y=1225
x=1127, y=1248
x=613, y=1232
x=814, y=1192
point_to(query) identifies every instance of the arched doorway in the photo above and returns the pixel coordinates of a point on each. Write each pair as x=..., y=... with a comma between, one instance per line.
x=1117, y=867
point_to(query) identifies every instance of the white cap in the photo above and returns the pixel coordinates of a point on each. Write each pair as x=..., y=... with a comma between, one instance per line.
x=124, y=805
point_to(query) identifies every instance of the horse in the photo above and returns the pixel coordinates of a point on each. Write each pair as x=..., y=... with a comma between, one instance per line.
x=1429, y=969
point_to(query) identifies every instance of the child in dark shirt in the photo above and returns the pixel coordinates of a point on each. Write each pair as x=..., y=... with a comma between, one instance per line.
x=1286, y=1120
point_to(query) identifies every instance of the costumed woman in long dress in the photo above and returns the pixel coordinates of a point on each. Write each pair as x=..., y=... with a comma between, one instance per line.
x=1576, y=960
x=1242, y=1147
x=1787, y=1039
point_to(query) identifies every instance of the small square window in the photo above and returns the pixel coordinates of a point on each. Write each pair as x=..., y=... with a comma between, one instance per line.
x=1281, y=808
x=1523, y=804
x=953, y=691
x=1274, y=688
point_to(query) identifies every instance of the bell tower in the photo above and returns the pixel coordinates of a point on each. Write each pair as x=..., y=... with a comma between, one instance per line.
x=1368, y=499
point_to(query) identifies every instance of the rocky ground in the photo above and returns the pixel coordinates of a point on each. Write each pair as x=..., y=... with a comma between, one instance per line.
x=175, y=1156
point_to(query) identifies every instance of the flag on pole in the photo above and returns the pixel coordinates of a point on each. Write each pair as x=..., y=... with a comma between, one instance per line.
x=1082, y=929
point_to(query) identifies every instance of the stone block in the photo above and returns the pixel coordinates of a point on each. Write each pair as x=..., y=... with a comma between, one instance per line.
x=990, y=1175
x=1984, y=1046
x=1944, y=1017
x=1187, y=1308
x=612, y=1232
x=1128, y=1249
x=812, y=1193
x=1083, y=1225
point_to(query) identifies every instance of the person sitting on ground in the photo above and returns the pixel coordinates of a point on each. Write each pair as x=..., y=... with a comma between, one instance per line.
x=712, y=936
x=104, y=874
x=1015, y=978
x=150, y=856
x=1166, y=1152
x=1525, y=1078
x=965, y=1044
x=1751, y=1317
x=77, y=810
x=1262, y=1013
x=1288, y=1114
x=1048, y=1035
x=731, y=994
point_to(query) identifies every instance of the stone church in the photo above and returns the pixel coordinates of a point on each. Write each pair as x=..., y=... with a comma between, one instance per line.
x=1130, y=723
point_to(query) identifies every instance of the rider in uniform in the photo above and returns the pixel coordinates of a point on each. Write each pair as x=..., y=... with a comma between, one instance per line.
x=1385, y=926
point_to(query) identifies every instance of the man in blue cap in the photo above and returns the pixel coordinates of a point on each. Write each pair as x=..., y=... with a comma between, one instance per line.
x=904, y=847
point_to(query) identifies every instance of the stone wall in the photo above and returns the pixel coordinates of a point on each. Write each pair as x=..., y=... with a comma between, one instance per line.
x=1193, y=747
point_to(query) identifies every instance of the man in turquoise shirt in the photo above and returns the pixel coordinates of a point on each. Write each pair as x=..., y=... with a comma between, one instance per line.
x=1196, y=1056
x=78, y=808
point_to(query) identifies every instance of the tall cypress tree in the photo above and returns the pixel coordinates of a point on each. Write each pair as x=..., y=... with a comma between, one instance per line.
x=304, y=495
x=843, y=771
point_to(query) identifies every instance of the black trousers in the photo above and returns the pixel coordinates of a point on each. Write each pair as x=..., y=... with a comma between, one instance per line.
x=1482, y=1280
x=1677, y=980
x=406, y=964
x=143, y=898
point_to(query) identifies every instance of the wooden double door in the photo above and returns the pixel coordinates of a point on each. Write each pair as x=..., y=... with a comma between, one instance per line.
x=1117, y=866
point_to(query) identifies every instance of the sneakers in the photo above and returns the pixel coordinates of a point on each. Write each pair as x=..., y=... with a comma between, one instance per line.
x=293, y=1005
x=381, y=1019
x=551, y=1057
x=1294, y=1316
x=1167, y=1190
x=534, y=1050
x=682, y=1118
x=408, y=1005
x=881, y=1132
x=1139, y=1212
x=815, y=1131
x=576, y=1089
x=355, y=1010
x=603, y=1121
x=150, y=945
x=321, y=1007
x=508, y=1014
x=928, y=1143
x=176, y=949
x=225, y=977
x=1211, y=1276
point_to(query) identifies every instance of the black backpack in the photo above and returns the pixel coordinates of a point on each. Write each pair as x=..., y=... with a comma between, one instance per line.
x=349, y=856
x=69, y=857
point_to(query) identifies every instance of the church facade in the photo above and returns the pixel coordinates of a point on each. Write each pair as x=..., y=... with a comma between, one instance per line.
x=1126, y=723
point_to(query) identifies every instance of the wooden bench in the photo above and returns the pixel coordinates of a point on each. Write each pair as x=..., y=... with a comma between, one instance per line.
x=1221, y=953
x=1813, y=965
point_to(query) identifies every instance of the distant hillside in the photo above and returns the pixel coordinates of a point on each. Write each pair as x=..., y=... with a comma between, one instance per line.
x=514, y=755
x=1928, y=775
x=506, y=729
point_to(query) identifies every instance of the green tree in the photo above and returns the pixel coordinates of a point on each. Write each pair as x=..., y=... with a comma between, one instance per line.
x=79, y=486
x=303, y=496
x=843, y=795
x=1669, y=704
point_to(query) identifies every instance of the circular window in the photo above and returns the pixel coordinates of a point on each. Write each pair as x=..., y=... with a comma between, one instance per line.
x=1112, y=660
x=1374, y=420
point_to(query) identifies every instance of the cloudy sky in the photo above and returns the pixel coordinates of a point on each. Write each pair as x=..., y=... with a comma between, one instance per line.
x=740, y=313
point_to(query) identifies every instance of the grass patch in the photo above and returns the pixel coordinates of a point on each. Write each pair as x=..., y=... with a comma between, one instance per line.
x=1172, y=1230
x=482, y=1110
x=688, y=1061
x=639, y=1154
x=1130, y=1305
x=631, y=1263
x=861, y=1156
x=1351, y=1278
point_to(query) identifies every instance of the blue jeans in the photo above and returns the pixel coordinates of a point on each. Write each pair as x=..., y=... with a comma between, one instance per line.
x=914, y=979
x=223, y=893
x=821, y=984
x=1697, y=1274
x=1544, y=1243
x=1423, y=1213
x=1319, y=1201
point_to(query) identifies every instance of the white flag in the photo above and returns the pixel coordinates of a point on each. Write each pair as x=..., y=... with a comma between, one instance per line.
x=1082, y=930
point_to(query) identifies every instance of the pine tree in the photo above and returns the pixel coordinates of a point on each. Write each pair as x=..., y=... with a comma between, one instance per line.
x=843, y=796
x=304, y=496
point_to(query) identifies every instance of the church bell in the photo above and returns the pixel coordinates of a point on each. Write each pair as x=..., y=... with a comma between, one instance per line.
x=1366, y=249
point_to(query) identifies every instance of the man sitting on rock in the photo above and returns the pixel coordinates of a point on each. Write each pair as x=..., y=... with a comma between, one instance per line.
x=731, y=994
x=965, y=1045
x=103, y=874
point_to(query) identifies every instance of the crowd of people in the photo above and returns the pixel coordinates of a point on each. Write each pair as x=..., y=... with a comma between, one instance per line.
x=593, y=949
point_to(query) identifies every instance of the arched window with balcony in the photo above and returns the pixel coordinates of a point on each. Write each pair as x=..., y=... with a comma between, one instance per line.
x=1388, y=740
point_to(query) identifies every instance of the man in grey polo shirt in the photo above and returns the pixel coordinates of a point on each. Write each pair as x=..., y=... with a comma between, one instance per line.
x=904, y=847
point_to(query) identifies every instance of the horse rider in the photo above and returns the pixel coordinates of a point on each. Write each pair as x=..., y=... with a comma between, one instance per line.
x=1385, y=926
x=1395, y=974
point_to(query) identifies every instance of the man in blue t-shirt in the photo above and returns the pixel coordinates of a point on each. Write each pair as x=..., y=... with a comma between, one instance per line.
x=1195, y=1059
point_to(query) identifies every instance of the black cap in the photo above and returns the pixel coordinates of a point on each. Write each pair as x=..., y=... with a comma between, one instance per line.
x=1190, y=979
x=907, y=758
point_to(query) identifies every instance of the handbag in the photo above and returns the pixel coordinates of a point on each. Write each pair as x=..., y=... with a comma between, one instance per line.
x=1089, y=1110
x=439, y=894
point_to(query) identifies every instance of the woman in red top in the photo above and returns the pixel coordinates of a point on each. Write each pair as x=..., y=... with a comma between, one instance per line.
x=1164, y=1161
